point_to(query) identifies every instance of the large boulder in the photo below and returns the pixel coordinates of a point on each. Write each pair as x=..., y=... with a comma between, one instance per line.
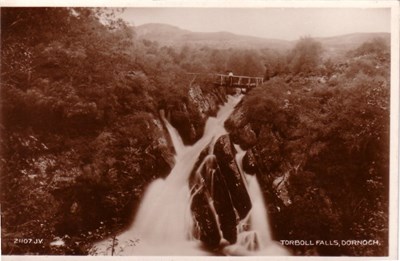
x=208, y=231
x=193, y=179
x=209, y=180
x=225, y=154
x=221, y=198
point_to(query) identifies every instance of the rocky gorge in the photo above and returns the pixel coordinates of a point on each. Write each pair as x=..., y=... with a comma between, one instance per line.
x=94, y=120
x=94, y=190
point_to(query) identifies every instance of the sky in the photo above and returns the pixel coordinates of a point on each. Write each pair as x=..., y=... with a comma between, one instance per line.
x=278, y=23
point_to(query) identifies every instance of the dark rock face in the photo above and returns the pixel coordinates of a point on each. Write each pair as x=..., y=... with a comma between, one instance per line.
x=225, y=153
x=181, y=120
x=220, y=191
x=268, y=150
x=240, y=130
x=206, y=104
x=205, y=217
x=221, y=196
x=193, y=179
x=235, y=121
x=250, y=163
x=212, y=186
x=189, y=118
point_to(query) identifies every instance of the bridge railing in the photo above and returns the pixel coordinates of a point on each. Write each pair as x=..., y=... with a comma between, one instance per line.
x=238, y=80
x=234, y=81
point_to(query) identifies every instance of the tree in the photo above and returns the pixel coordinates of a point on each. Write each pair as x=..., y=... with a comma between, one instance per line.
x=305, y=56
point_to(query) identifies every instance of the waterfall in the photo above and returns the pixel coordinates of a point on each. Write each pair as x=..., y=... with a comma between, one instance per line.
x=254, y=236
x=175, y=137
x=164, y=224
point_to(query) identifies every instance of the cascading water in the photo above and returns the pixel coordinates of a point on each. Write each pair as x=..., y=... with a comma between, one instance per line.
x=254, y=232
x=164, y=223
x=176, y=138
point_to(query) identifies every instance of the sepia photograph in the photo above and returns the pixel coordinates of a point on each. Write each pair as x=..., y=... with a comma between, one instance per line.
x=186, y=131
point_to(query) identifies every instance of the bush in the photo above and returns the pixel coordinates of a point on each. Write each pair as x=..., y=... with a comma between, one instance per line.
x=305, y=56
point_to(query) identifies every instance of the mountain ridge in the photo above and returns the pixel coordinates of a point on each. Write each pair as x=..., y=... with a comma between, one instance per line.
x=171, y=35
x=174, y=36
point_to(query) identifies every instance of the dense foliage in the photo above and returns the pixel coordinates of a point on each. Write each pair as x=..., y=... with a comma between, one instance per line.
x=75, y=137
x=81, y=132
x=82, y=136
x=324, y=139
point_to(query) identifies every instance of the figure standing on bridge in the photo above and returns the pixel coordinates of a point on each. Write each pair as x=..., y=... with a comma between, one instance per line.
x=230, y=78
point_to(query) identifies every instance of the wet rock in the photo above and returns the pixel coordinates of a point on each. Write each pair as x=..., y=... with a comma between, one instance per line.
x=205, y=104
x=220, y=93
x=219, y=193
x=208, y=231
x=189, y=118
x=161, y=149
x=250, y=163
x=240, y=129
x=280, y=187
x=209, y=179
x=181, y=120
x=193, y=178
x=225, y=154
x=236, y=120
x=157, y=161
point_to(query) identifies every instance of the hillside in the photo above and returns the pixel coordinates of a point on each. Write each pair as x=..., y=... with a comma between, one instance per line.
x=174, y=36
x=342, y=43
x=351, y=40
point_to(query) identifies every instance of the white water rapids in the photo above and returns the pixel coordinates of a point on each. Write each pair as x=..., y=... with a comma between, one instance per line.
x=163, y=224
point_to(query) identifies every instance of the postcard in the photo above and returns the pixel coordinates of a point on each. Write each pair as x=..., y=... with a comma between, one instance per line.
x=158, y=130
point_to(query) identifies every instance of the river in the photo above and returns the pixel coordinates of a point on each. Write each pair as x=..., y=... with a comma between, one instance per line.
x=164, y=224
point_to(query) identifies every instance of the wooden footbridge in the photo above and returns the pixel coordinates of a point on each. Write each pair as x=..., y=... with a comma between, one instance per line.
x=238, y=81
x=235, y=81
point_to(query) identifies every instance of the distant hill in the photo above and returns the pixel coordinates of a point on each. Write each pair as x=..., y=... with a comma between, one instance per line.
x=351, y=40
x=342, y=43
x=174, y=36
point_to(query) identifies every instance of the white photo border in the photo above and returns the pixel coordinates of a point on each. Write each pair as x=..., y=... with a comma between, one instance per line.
x=394, y=106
